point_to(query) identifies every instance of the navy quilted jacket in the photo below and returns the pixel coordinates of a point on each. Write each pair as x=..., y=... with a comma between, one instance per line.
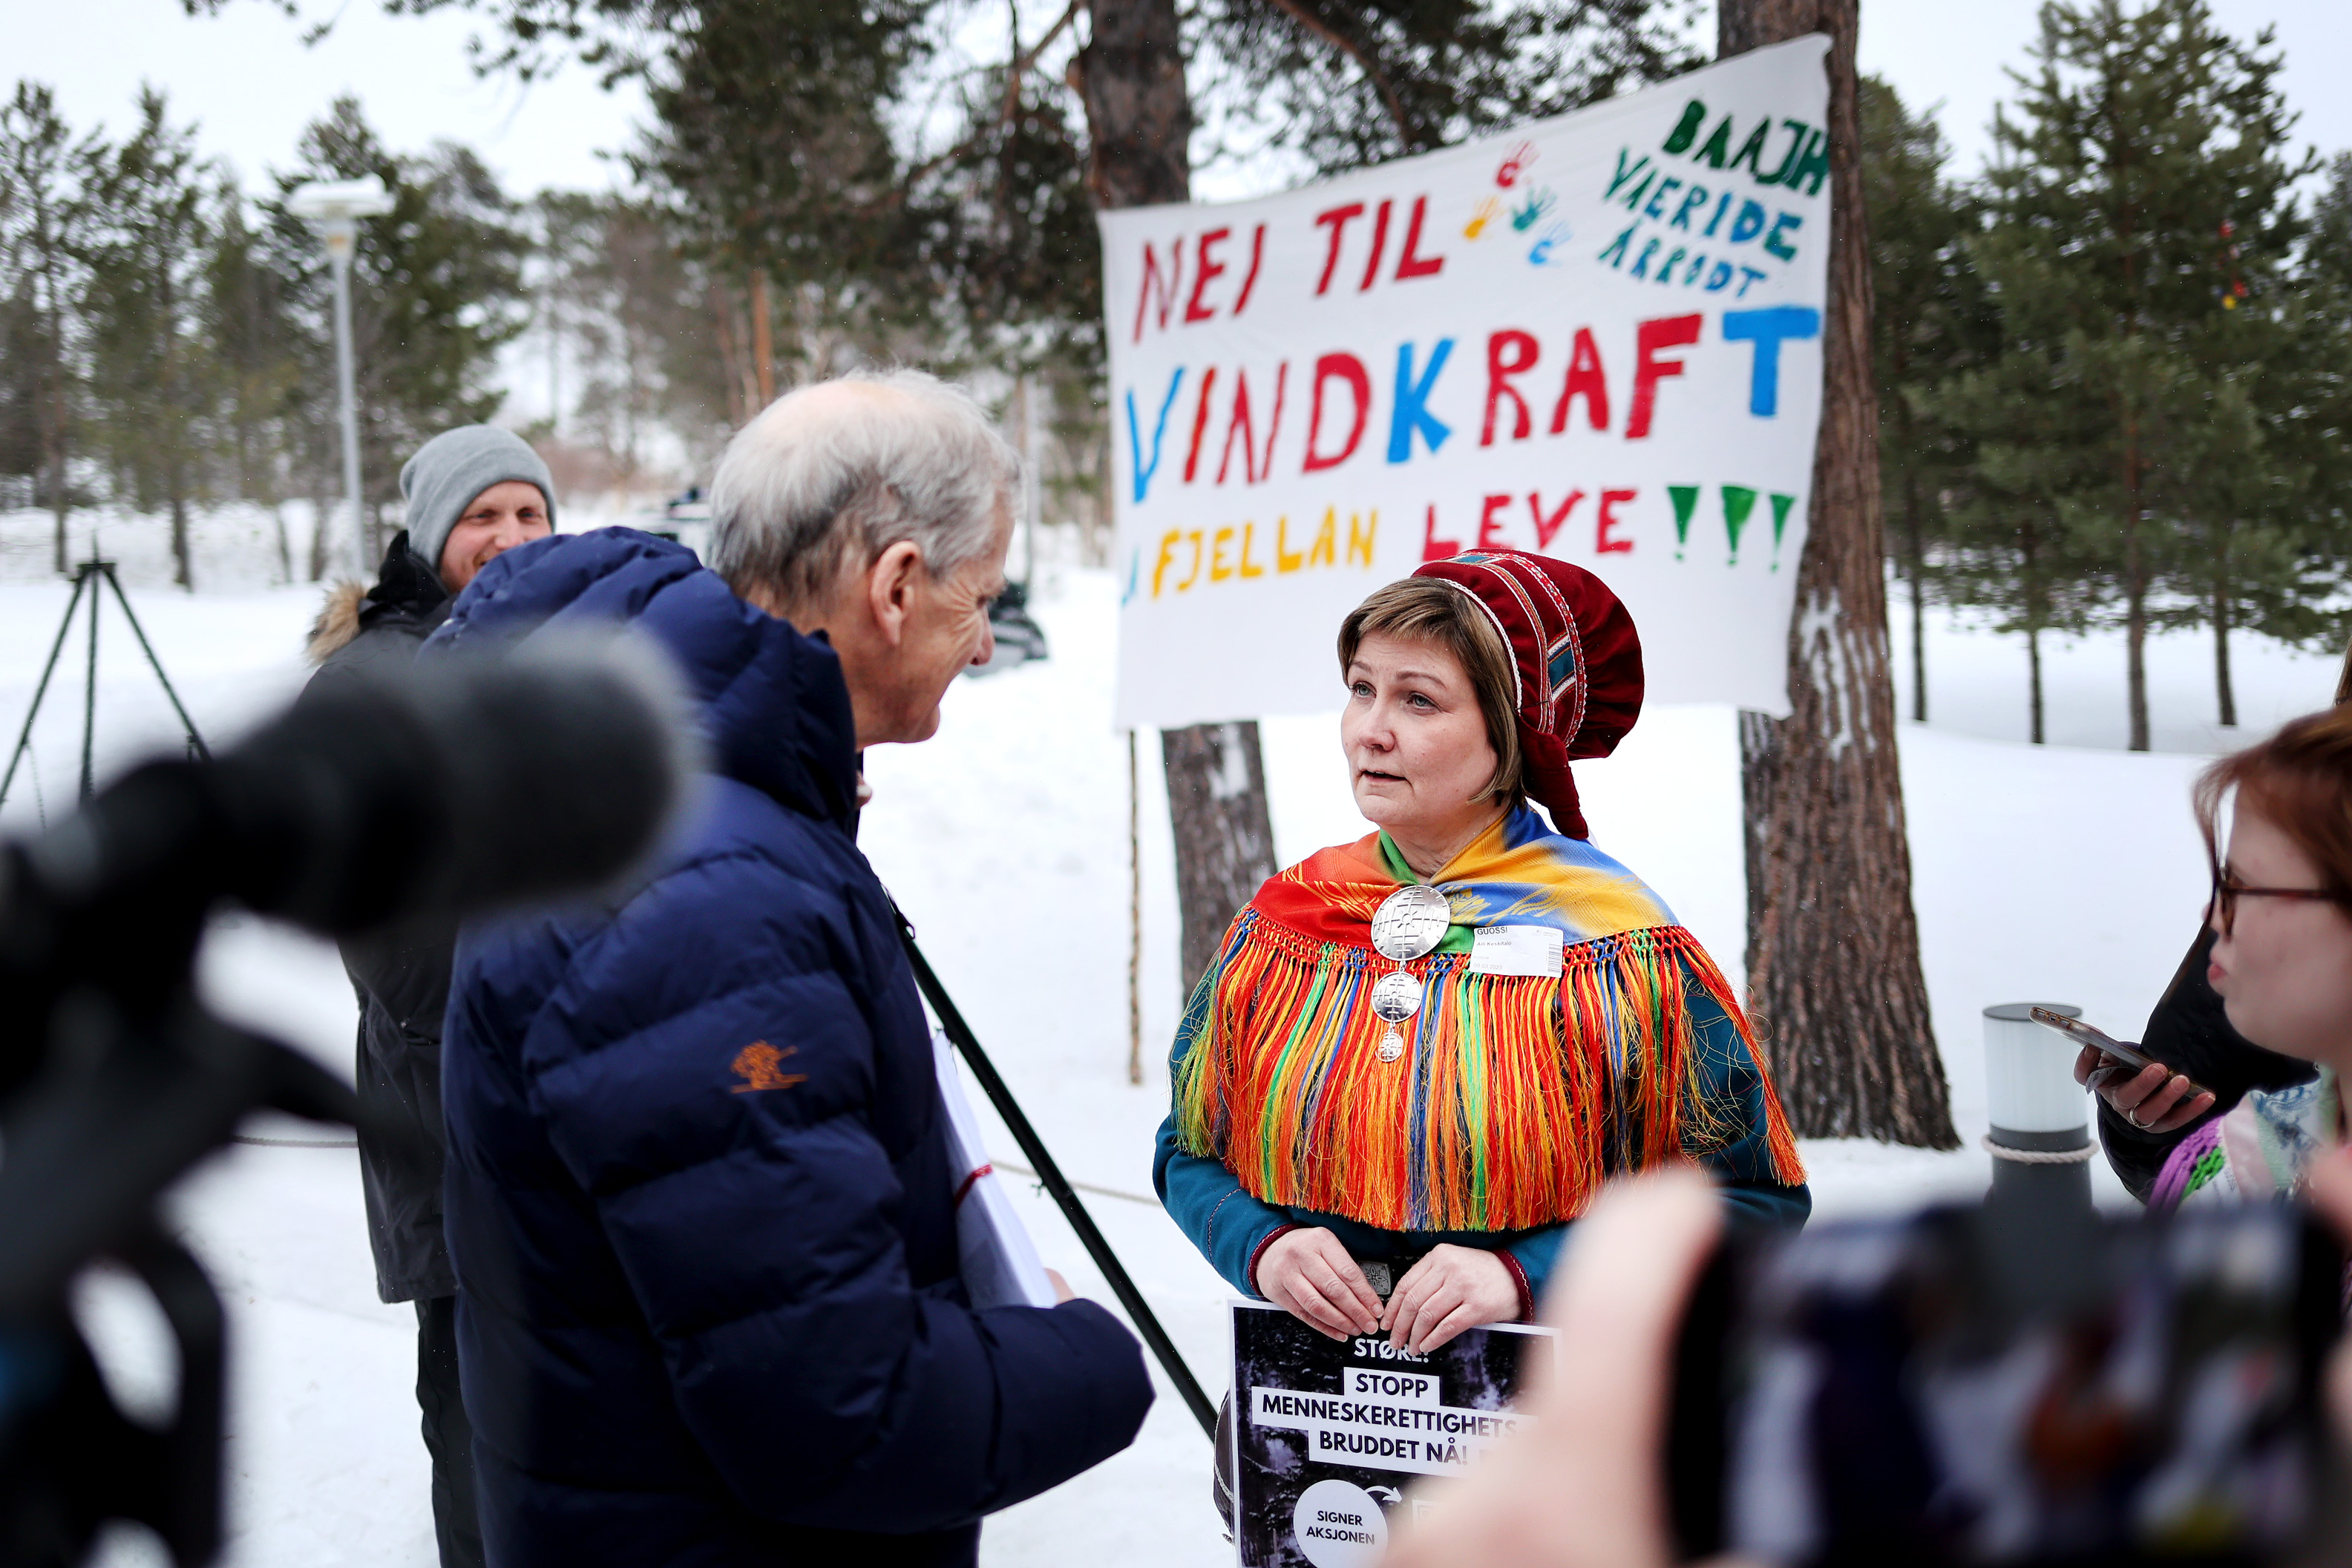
x=699, y=1193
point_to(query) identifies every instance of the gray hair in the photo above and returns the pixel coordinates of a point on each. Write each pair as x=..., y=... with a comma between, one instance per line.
x=831, y=475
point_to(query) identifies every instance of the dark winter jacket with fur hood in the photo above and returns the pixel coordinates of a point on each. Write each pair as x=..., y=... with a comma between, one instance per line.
x=700, y=1197
x=402, y=975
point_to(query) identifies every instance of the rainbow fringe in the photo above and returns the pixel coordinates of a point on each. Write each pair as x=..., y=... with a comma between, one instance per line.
x=1517, y=1097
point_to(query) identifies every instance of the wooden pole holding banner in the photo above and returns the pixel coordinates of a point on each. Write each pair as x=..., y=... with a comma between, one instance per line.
x=1134, y=911
x=1833, y=943
x=1130, y=77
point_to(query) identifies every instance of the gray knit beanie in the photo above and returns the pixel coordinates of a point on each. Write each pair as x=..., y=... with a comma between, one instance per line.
x=448, y=471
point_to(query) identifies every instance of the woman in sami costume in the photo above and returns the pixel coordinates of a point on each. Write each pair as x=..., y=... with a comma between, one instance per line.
x=1554, y=1025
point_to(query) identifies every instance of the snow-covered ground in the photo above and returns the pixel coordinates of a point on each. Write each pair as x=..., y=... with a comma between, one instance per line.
x=2065, y=872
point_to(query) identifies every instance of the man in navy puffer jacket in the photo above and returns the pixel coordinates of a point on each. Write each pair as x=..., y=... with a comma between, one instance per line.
x=698, y=1191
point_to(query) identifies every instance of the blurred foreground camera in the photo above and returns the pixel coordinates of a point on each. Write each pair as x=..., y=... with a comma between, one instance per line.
x=2011, y=1384
x=461, y=788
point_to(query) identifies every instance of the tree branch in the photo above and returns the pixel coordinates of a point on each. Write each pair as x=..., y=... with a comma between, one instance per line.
x=1027, y=59
x=1345, y=46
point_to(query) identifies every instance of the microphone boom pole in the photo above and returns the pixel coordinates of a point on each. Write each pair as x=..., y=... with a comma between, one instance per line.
x=1058, y=1186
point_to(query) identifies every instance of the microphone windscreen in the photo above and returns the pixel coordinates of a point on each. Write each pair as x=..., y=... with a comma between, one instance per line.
x=563, y=764
x=462, y=784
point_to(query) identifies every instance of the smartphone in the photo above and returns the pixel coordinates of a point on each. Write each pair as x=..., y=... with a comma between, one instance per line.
x=2082, y=1034
x=1994, y=1385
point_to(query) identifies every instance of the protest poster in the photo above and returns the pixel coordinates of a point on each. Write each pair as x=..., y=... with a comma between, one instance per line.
x=1597, y=337
x=998, y=1259
x=1328, y=1433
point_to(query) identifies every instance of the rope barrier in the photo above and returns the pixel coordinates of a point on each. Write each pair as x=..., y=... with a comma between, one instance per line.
x=1145, y=1200
x=1082, y=1185
x=2039, y=1157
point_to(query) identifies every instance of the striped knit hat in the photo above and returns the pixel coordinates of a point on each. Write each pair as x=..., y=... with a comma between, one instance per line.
x=1576, y=658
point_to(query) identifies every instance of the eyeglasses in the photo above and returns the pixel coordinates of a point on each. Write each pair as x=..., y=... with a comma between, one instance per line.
x=2226, y=894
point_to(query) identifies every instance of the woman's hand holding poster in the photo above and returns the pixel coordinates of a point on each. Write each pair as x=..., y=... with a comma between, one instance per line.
x=1597, y=337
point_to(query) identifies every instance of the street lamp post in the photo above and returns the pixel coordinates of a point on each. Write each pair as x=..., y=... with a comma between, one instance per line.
x=336, y=206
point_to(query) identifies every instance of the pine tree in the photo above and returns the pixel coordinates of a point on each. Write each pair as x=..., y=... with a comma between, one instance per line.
x=2298, y=383
x=1931, y=319
x=2234, y=484
x=44, y=219
x=151, y=376
x=640, y=329
x=2014, y=541
x=2137, y=136
x=258, y=351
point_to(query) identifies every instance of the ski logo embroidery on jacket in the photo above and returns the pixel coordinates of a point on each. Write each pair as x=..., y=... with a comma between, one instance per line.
x=759, y=1065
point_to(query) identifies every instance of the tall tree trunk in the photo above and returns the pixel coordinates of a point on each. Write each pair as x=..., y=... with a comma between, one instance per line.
x=764, y=341
x=1130, y=77
x=319, y=525
x=181, y=575
x=1918, y=552
x=2135, y=587
x=2033, y=680
x=2037, y=606
x=2224, y=689
x=59, y=502
x=1833, y=943
x=731, y=360
x=1224, y=840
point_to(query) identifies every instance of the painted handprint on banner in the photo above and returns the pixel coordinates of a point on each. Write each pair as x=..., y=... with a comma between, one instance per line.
x=1539, y=202
x=1515, y=163
x=1545, y=251
x=1488, y=210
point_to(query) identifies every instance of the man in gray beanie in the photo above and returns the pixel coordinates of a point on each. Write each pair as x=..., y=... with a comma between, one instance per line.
x=473, y=494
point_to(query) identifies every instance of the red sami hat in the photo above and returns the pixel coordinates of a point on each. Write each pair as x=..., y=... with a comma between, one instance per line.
x=1576, y=658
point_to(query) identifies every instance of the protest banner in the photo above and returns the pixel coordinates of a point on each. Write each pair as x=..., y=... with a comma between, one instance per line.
x=1596, y=337
x=1328, y=1433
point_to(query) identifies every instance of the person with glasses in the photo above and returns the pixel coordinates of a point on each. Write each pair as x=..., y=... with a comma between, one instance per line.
x=2206, y=1066
x=2281, y=915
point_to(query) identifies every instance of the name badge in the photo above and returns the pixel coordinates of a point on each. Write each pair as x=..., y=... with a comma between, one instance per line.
x=1515, y=950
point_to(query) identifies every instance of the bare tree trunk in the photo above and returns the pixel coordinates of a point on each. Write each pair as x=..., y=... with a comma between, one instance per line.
x=2135, y=587
x=59, y=501
x=1833, y=943
x=2033, y=680
x=1135, y=909
x=1224, y=840
x=2224, y=689
x=181, y=575
x=2037, y=607
x=318, y=515
x=763, y=342
x=1130, y=77
x=1918, y=600
x=731, y=360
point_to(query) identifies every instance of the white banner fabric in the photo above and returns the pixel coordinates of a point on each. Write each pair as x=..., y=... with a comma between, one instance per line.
x=1596, y=337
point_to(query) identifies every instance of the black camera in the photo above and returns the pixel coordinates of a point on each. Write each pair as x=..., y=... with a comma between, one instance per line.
x=464, y=786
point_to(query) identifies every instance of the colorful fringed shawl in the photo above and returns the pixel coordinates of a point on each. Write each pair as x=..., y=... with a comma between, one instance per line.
x=2263, y=1148
x=1517, y=1095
